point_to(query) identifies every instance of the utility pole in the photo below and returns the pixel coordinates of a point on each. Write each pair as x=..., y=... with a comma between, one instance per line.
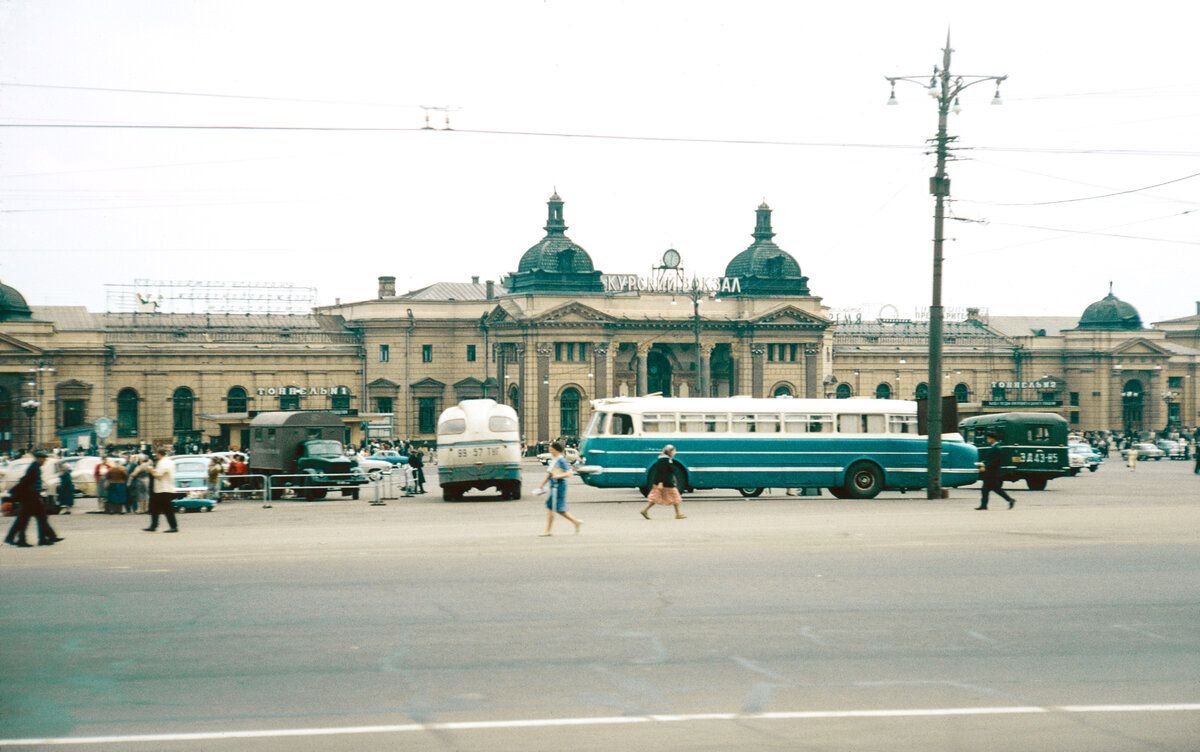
x=945, y=88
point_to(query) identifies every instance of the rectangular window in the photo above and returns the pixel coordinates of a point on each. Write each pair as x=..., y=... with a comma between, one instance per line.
x=1074, y=399
x=658, y=423
x=582, y=351
x=383, y=405
x=1074, y=417
x=902, y=424
x=703, y=423
x=385, y=353
x=426, y=353
x=339, y=403
x=820, y=424
x=1038, y=435
x=570, y=351
x=289, y=402
x=72, y=413
x=426, y=414
x=770, y=353
x=766, y=423
x=558, y=351
x=793, y=352
x=470, y=353
x=622, y=424
x=1174, y=382
x=793, y=423
x=852, y=423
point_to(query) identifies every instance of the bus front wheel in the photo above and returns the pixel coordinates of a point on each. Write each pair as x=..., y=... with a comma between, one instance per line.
x=863, y=481
x=750, y=493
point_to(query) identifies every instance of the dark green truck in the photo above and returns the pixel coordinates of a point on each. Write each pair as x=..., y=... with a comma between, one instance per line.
x=1035, y=444
x=303, y=452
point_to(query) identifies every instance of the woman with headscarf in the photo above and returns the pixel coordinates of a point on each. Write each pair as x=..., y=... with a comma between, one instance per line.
x=664, y=483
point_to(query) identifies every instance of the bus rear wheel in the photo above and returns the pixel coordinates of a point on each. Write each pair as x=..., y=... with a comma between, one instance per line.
x=750, y=493
x=863, y=481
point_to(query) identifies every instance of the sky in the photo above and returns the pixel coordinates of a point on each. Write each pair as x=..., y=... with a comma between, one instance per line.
x=304, y=161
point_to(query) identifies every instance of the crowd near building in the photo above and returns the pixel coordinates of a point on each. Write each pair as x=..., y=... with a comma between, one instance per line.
x=555, y=334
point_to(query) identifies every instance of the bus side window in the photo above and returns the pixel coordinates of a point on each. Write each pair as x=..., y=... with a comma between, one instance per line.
x=622, y=424
x=601, y=424
x=743, y=423
x=658, y=423
x=716, y=424
x=795, y=423
x=902, y=423
x=874, y=424
x=850, y=423
x=766, y=423
x=820, y=424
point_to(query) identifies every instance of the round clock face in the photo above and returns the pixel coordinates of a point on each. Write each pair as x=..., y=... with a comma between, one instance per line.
x=671, y=258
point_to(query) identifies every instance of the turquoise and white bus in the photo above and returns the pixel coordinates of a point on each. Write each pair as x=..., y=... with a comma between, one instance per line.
x=479, y=446
x=854, y=447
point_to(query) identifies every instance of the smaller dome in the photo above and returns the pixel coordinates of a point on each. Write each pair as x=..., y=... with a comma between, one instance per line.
x=1110, y=312
x=12, y=304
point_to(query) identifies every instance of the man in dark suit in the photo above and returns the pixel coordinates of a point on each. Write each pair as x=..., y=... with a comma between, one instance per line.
x=28, y=495
x=991, y=474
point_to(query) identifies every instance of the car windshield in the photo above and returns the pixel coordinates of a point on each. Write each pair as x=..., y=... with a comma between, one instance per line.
x=190, y=467
x=325, y=449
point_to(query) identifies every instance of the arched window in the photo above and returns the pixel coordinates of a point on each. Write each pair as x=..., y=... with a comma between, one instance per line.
x=127, y=412
x=184, y=404
x=962, y=393
x=844, y=391
x=883, y=391
x=783, y=390
x=236, y=400
x=514, y=397
x=568, y=406
x=288, y=401
x=922, y=391
x=339, y=401
x=999, y=394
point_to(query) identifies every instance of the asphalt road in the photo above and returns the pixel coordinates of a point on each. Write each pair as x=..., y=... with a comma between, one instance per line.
x=1069, y=623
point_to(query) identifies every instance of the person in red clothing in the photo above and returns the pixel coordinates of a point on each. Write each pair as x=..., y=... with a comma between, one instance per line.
x=237, y=467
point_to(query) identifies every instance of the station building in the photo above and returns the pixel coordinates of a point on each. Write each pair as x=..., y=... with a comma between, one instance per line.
x=555, y=334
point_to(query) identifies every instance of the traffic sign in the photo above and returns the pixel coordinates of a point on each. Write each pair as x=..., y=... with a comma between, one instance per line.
x=103, y=427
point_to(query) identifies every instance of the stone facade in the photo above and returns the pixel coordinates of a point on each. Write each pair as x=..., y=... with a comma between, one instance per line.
x=555, y=335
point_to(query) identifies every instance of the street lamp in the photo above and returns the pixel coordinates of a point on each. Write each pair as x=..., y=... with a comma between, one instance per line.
x=30, y=406
x=945, y=89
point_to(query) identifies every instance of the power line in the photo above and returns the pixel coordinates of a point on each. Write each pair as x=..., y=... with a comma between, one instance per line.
x=1039, y=173
x=202, y=94
x=1090, y=198
x=1093, y=232
x=166, y=127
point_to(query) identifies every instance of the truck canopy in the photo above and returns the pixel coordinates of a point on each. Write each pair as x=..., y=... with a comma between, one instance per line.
x=277, y=438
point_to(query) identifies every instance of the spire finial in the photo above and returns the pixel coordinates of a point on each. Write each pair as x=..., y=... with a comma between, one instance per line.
x=1110, y=287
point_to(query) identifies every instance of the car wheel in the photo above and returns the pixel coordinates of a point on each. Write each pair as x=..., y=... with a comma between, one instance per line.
x=1093, y=468
x=751, y=493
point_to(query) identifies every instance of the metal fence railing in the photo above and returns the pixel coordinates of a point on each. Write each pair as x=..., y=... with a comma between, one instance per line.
x=380, y=485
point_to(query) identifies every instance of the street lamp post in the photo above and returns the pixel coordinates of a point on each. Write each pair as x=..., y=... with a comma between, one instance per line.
x=696, y=293
x=30, y=406
x=945, y=88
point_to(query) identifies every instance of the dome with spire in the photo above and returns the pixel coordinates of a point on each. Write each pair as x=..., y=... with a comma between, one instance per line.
x=764, y=268
x=1110, y=312
x=555, y=263
x=12, y=304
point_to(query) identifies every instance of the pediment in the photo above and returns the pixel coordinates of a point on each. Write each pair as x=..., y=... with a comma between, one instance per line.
x=385, y=383
x=428, y=383
x=790, y=314
x=10, y=345
x=469, y=382
x=1141, y=347
x=574, y=313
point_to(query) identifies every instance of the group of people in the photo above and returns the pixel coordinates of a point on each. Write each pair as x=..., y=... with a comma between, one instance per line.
x=664, y=479
x=145, y=483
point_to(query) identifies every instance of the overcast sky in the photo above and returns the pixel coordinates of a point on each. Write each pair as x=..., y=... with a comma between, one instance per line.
x=1100, y=100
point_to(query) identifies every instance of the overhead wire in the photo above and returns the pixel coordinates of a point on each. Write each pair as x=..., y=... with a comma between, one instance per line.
x=1087, y=198
x=250, y=97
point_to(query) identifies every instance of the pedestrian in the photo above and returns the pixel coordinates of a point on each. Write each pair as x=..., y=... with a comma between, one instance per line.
x=1131, y=457
x=28, y=495
x=139, y=483
x=214, y=479
x=556, y=476
x=991, y=473
x=66, y=490
x=118, y=488
x=100, y=475
x=418, y=466
x=162, y=492
x=664, y=481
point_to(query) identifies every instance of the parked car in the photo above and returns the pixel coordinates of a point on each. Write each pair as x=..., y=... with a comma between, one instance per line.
x=1145, y=451
x=571, y=453
x=1082, y=455
x=375, y=467
x=191, y=472
x=17, y=468
x=83, y=474
x=390, y=456
x=194, y=503
x=1172, y=449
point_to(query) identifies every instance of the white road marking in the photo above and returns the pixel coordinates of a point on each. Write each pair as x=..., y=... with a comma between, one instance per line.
x=601, y=721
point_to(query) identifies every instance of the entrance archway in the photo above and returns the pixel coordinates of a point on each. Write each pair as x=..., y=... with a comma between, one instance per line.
x=1132, y=405
x=658, y=373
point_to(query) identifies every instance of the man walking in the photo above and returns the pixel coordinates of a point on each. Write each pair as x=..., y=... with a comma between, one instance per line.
x=162, y=492
x=991, y=473
x=28, y=494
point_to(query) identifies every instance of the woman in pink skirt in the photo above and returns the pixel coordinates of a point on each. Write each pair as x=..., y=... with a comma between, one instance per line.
x=664, y=481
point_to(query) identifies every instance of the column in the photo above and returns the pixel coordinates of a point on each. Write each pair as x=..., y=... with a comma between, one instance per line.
x=543, y=390
x=704, y=372
x=501, y=373
x=643, y=366
x=812, y=372
x=757, y=355
x=600, y=369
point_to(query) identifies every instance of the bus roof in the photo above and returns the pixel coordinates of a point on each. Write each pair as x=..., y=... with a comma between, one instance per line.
x=753, y=405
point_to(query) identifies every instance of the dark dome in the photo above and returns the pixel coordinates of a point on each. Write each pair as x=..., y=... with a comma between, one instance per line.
x=764, y=268
x=555, y=254
x=12, y=304
x=1110, y=313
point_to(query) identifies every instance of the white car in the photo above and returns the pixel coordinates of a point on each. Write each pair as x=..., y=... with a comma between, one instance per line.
x=571, y=453
x=16, y=469
x=374, y=468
